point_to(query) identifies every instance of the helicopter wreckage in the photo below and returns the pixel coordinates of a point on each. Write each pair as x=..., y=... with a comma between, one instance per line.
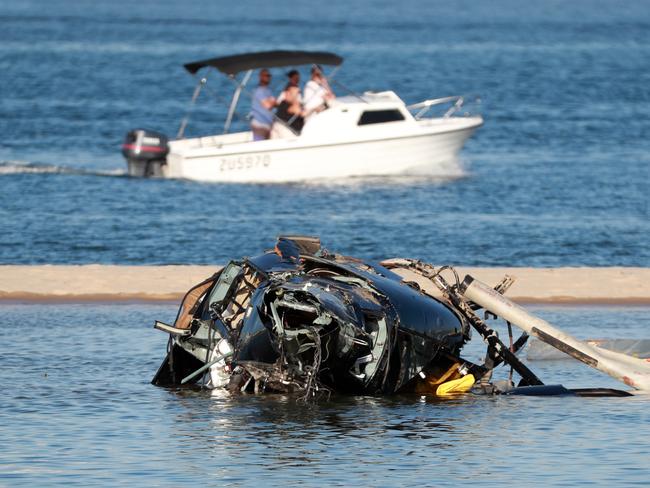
x=299, y=319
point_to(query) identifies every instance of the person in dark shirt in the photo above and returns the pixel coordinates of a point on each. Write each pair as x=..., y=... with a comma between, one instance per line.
x=290, y=103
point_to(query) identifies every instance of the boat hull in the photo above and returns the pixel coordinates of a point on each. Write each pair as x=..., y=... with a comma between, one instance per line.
x=430, y=150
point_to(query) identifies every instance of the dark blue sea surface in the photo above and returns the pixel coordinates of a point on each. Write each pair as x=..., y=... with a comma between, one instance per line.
x=77, y=409
x=558, y=175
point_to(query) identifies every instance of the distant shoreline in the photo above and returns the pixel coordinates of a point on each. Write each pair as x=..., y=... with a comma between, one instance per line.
x=625, y=286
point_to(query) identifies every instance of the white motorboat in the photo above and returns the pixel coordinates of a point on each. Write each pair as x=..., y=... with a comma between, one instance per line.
x=369, y=134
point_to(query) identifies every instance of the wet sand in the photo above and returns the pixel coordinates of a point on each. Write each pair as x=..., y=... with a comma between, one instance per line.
x=104, y=283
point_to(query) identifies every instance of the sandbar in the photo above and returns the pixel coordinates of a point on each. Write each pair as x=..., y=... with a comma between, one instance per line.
x=112, y=283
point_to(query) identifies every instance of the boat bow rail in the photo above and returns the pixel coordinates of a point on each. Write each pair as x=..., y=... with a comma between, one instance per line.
x=457, y=102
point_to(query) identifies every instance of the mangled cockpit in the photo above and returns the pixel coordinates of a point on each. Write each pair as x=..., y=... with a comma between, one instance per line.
x=299, y=319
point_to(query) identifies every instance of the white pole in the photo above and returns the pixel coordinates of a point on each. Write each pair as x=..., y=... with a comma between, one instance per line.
x=631, y=371
x=235, y=100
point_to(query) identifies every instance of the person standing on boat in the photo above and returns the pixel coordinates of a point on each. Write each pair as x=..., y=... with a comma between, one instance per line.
x=289, y=108
x=317, y=92
x=263, y=102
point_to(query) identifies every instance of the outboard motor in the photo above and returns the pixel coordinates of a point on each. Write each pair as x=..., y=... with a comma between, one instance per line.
x=145, y=152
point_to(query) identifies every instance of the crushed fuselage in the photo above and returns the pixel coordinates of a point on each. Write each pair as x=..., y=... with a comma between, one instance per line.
x=301, y=319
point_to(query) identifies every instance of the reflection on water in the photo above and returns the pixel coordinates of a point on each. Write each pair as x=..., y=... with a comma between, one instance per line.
x=78, y=409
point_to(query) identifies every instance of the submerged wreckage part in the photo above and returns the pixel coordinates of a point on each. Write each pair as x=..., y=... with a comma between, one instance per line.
x=300, y=319
x=632, y=371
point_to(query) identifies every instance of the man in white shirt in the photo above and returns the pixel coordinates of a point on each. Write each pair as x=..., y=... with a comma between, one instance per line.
x=317, y=92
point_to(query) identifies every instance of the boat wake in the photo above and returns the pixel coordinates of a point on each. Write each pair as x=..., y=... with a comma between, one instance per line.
x=26, y=167
x=442, y=176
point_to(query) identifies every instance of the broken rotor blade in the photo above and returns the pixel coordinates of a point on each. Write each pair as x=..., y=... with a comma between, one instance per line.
x=631, y=371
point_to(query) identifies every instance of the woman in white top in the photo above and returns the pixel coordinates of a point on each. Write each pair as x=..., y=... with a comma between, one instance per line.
x=317, y=92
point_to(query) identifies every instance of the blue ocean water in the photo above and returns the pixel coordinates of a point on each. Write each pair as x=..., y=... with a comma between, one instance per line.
x=557, y=176
x=78, y=410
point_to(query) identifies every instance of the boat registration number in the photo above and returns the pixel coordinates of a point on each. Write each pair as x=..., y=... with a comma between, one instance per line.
x=245, y=162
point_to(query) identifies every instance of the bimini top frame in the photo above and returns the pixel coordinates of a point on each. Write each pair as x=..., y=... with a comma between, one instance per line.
x=235, y=64
x=231, y=65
